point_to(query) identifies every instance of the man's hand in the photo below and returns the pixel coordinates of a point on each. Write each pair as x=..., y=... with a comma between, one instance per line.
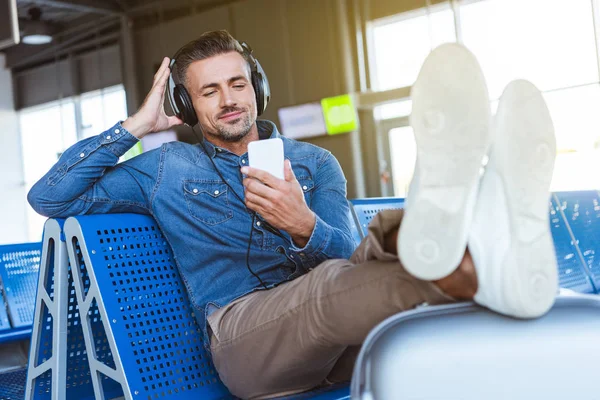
x=151, y=116
x=280, y=202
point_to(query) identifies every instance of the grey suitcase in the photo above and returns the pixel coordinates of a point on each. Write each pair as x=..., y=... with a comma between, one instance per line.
x=463, y=351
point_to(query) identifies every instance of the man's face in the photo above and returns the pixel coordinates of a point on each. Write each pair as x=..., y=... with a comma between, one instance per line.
x=223, y=96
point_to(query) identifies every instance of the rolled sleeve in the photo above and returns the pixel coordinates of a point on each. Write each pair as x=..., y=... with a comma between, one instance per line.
x=86, y=178
x=118, y=140
x=331, y=237
x=319, y=239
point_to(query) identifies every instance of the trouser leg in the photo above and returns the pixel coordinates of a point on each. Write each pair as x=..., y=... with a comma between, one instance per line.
x=289, y=338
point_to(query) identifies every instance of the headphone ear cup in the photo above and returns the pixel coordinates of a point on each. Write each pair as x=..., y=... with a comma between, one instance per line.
x=257, y=84
x=184, y=103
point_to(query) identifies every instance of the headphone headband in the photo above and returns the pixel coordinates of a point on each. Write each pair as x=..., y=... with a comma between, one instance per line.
x=181, y=102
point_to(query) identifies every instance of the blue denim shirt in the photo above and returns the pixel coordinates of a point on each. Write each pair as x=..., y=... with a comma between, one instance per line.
x=206, y=226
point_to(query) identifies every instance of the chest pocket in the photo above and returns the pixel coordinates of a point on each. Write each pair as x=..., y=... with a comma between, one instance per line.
x=207, y=201
x=307, y=186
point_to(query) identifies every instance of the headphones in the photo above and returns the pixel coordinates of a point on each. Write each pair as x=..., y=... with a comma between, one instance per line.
x=181, y=102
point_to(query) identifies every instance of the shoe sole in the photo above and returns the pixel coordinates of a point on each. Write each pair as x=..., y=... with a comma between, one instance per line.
x=523, y=156
x=451, y=119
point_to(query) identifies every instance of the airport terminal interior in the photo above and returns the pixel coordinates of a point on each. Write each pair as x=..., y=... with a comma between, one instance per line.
x=340, y=74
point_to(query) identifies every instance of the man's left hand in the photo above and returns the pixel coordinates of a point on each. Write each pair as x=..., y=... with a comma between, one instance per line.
x=280, y=202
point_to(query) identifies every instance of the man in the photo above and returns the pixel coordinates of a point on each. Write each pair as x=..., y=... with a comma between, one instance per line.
x=287, y=311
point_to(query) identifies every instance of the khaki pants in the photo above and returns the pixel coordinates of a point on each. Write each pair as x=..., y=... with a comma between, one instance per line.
x=307, y=332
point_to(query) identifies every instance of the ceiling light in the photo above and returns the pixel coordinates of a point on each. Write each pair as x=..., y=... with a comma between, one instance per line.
x=36, y=31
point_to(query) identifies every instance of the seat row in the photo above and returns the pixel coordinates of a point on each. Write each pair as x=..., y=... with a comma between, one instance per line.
x=112, y=318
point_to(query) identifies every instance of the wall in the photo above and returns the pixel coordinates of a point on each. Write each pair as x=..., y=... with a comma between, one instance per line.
x=13, y=202
x=74, y=75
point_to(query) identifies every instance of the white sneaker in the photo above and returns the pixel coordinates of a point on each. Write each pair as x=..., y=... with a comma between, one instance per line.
x=451, y=119
x=510, y=240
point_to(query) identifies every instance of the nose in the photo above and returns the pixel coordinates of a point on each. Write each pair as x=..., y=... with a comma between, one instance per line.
x=228, y=99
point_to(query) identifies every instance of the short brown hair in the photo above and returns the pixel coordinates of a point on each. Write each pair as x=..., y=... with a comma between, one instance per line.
x=209, y=44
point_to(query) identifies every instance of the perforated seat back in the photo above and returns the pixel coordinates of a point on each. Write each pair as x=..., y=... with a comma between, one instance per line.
x=465, y=352
x=58, y=361
x=366, y=209
x=582, y=212
x=19, y=266
x=572, y=272
x=153, y=347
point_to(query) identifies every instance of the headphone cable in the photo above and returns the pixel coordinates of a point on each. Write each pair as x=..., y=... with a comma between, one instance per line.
x=240, y=199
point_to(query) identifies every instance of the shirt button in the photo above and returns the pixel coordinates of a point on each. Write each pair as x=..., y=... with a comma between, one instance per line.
x=82, y=155
x=302, y=254
x=195, y=190
x=305, y=187
x=216, y=192
x=108, y=137
x=117, y=131
x=243, y=161
x=257, y=223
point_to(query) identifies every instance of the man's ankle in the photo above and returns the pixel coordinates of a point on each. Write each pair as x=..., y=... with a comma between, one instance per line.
x=462, y=283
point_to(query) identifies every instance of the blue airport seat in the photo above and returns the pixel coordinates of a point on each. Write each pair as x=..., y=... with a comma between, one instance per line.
x=365, y=209
x=12, y=384
x=463, y=351
x=357, y=233
x=572, y=271
x=138, y=338
x=127, y=274
x=582, y=213
x=153, y=346
x=58, y=360
x=4, y=322
x=19, y=266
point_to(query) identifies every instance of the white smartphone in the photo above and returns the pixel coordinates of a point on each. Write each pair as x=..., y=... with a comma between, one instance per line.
x=267, y=154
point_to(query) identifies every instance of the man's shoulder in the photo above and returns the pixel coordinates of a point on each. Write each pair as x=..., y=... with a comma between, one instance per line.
x=182, y=149
x=294, y=148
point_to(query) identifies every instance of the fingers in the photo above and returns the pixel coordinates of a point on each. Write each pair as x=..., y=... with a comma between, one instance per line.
x=257, y=188
x=257, y=203
x=262, y=176
x=289, y=172
x=163, y=65
x=174, y=120
x=161, y=79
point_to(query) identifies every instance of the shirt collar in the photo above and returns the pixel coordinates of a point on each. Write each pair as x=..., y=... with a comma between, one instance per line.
x=266, y=130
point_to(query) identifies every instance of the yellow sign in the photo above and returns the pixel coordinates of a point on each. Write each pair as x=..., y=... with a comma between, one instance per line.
x=340, y=114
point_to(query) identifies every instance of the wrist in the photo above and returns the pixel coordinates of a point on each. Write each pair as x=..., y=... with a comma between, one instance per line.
x=136, y=128
x=304, y=234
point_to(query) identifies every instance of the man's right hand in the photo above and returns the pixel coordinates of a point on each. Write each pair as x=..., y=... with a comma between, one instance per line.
x=151, y=116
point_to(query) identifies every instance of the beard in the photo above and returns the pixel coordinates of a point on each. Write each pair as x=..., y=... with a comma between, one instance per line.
x=236, y=130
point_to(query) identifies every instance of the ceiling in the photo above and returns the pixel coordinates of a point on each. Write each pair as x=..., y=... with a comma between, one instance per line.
x=69, y=20
x=66, y=13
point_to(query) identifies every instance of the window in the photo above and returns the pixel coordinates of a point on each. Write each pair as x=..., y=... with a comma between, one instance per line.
x=46, y=131
x=49, y=129
x=400, y=44
x=576, y=121
x=396, y=109
x=101, y=109
x=550, y=43
x=553, y=46
x=404, y=156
